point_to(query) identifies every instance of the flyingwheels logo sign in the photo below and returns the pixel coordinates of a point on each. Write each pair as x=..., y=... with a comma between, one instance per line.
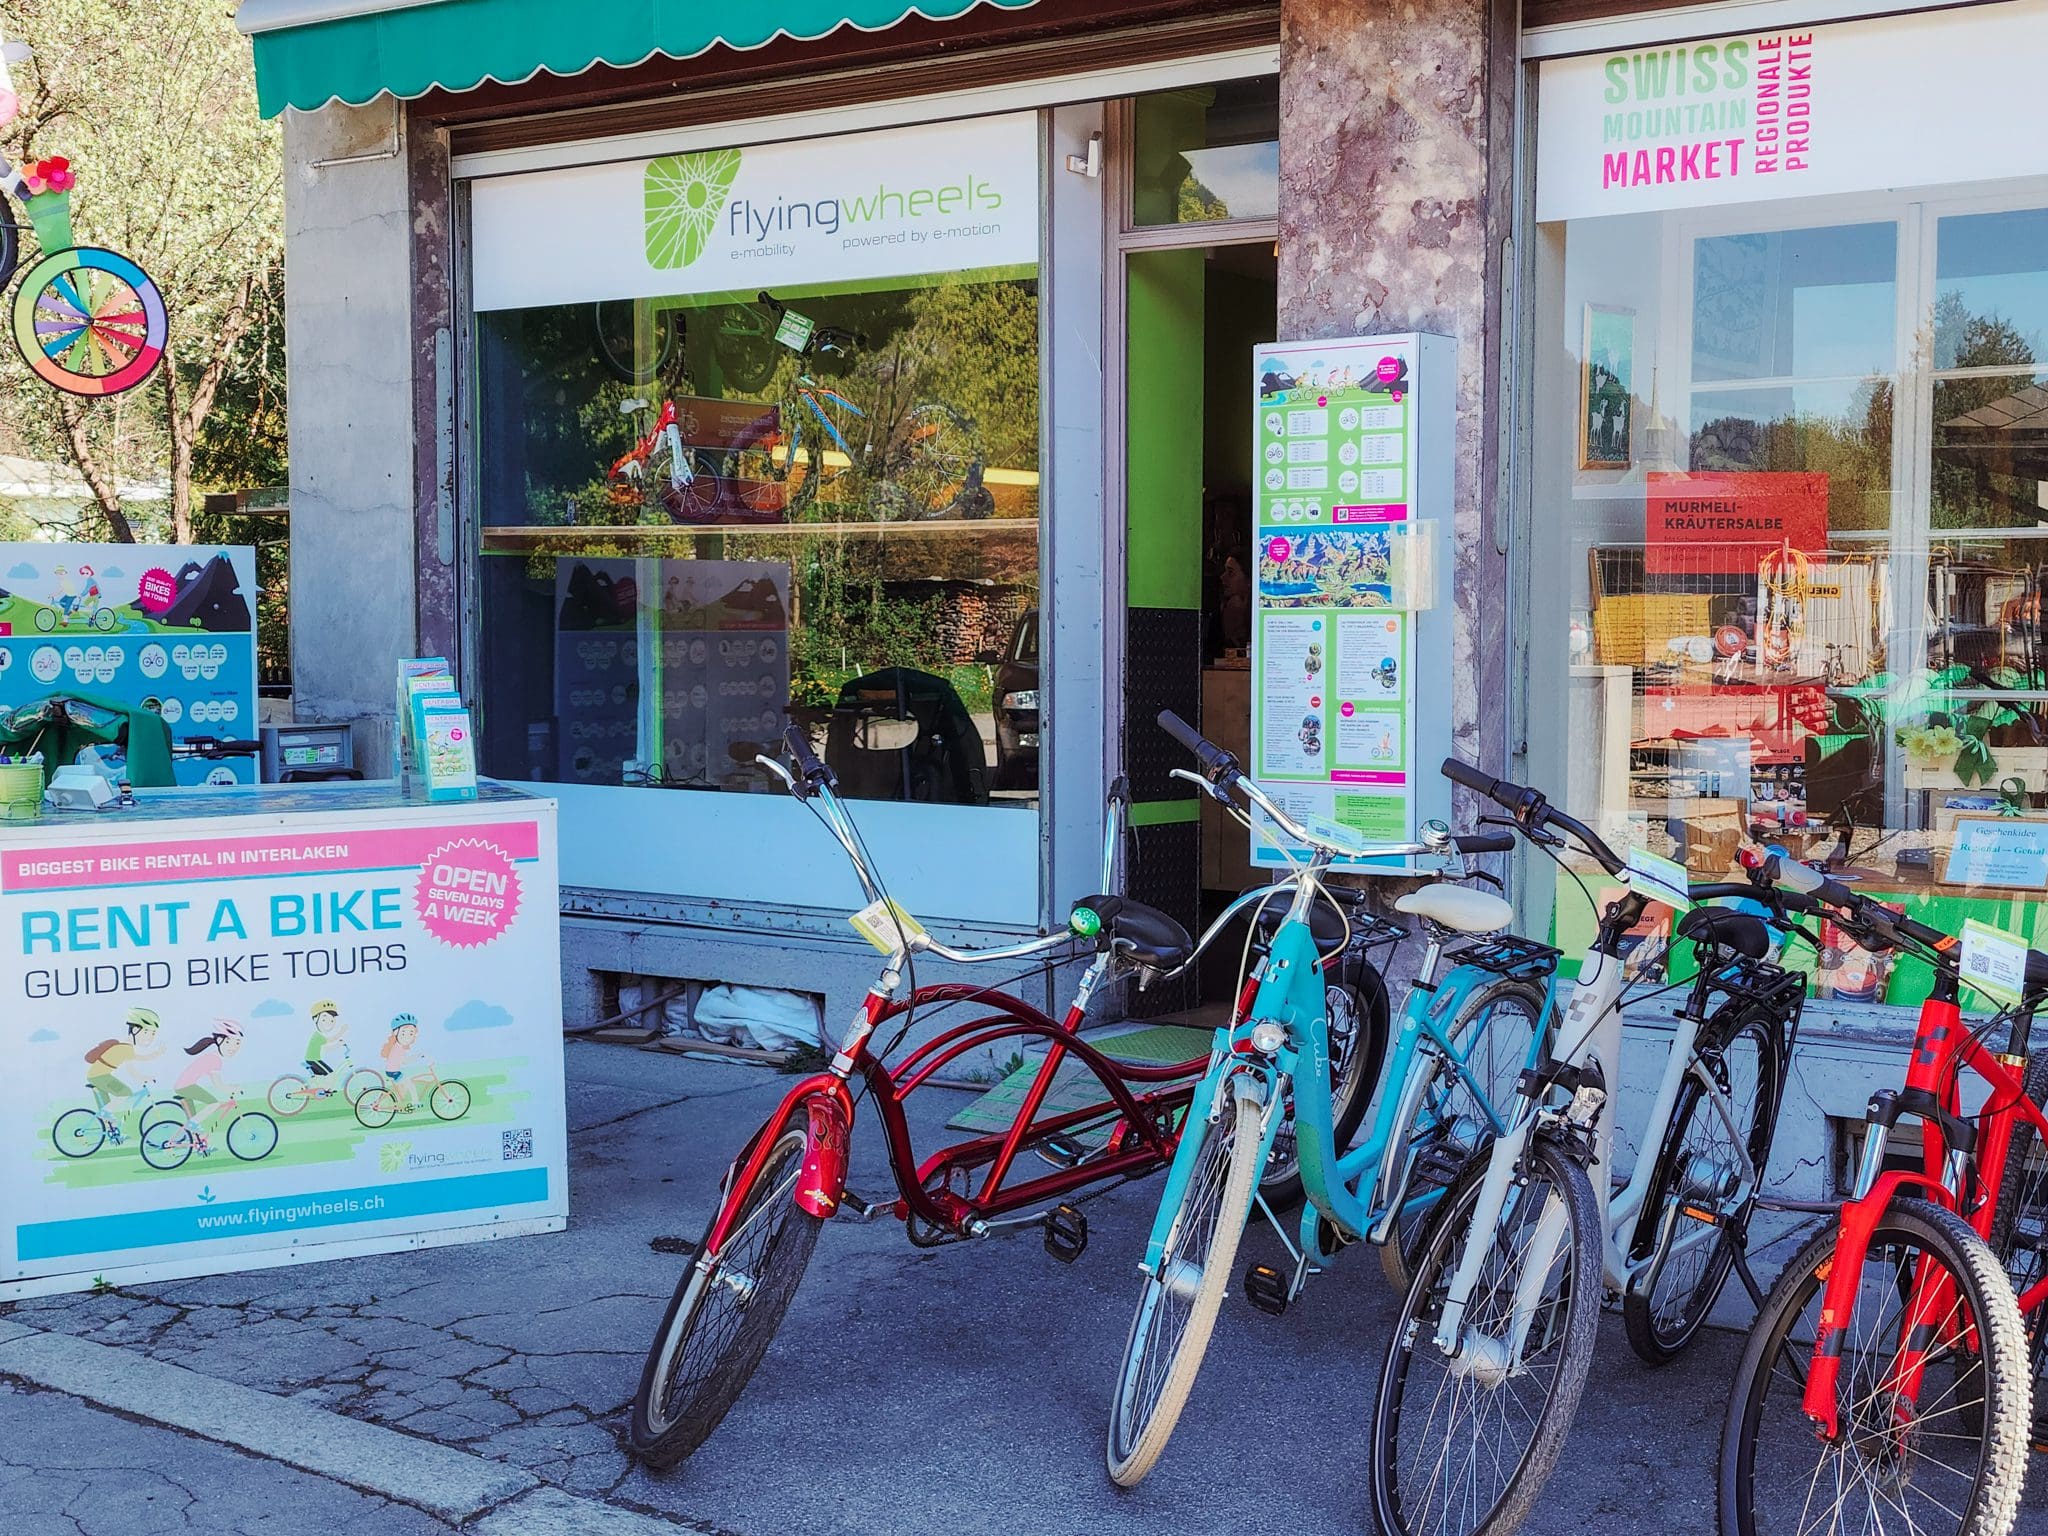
x=685, y=196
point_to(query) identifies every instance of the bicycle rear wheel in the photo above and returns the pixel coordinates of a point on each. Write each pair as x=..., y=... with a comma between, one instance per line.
x=1492, y=1034
x=725, y=1311
x=1464, y=1448
x=79, y=1133
x=10, y=242
x=252, y=1136
x=1927, y=1464
x=1697, y=1186
x=1177, y=1308
x=288, y=1095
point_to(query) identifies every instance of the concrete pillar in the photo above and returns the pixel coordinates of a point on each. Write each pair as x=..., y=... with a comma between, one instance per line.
x=1395, y=130
x=349, y=359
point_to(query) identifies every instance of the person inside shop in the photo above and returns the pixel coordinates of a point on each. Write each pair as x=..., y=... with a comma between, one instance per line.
x=105, y=1062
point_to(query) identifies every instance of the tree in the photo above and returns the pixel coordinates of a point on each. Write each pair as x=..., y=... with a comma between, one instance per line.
x=154, y=102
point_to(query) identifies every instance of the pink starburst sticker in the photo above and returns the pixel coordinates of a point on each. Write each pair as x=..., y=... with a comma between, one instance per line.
x=468, y=893
x=156, y=591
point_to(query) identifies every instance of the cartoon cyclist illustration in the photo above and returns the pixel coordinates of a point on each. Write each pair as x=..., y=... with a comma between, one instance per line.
x=397, y=1050
x=328, y=1029
x=105, y=1062
x=200, y=1086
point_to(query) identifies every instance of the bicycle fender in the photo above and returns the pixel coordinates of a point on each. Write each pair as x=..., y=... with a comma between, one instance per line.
x=822, y=1183
x=1845, y=1277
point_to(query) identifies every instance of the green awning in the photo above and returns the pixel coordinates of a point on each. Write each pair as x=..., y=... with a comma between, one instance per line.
x=311, y=52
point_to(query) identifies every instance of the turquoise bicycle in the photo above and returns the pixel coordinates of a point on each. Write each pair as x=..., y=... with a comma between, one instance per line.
x=1462, y=1046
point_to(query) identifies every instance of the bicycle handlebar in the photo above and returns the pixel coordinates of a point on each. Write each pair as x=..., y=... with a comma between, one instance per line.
x=1533, y=814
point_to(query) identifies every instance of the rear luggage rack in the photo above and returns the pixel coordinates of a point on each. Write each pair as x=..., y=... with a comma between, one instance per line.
x=1505, y=955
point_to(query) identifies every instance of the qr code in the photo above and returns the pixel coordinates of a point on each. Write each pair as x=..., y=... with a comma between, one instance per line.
x=518, y=1144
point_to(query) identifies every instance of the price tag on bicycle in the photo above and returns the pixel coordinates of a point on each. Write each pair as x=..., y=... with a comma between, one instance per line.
x=887, y=926
x=795, y=330
x=1662, y=879
x=1994, y=962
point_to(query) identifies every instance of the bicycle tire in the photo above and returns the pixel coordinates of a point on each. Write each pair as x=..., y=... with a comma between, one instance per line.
x=288, y=1095
x=104, y=620
x=60, y=318
x=1992, y=1504
x=166, y=1144
x=1447, y=1134
x=1690, y=1174
x=667, y=1424
x=377, y=1108
x=85, y=1127
x=449, y=1100
x=619, y=352
x=1280, y=1187
x=1227, y=1162
x=1568, y=1325
x=358, y=1083
x=251, y=1136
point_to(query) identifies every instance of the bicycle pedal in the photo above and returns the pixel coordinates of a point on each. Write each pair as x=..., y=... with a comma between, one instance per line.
x=1440, y=1164
x=1267, y=1289
x=1066, y=1233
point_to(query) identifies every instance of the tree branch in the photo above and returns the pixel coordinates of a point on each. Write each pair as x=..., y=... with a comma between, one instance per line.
x=97, y=480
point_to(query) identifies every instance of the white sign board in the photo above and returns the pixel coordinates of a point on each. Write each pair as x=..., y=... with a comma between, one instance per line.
x=945, y=197
x=1902, y=101
x=1350, y=696
x=287, y=1034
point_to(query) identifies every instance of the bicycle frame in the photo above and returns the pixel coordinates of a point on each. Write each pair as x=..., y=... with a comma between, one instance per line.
x=938, y=1191
x=1287, y=992
x=1942, y=1046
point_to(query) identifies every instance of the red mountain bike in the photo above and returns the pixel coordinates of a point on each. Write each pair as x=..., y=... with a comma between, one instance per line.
x=1888, y=1381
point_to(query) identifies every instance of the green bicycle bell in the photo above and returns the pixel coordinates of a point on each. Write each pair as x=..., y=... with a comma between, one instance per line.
x=1084, y=923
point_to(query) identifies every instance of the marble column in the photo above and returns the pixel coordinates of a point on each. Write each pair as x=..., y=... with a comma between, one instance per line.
x=1395, y=179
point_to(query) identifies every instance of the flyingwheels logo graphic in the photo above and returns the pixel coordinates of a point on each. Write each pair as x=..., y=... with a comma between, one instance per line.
x=685, y=196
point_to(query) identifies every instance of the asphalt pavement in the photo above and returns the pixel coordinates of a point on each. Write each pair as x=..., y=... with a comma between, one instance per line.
x=912, y=1392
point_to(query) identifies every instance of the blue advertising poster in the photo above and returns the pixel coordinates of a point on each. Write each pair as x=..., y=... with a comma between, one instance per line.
x=171, y=627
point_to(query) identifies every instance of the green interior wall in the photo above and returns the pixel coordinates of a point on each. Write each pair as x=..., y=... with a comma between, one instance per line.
x=1165, y=327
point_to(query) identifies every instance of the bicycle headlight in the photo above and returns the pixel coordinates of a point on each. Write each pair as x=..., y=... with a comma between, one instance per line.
x=1268, y=1037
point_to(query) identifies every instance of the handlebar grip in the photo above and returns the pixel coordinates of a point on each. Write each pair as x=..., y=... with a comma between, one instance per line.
x=808, y=768
x=1120, y=790
x=1934, y=938
x=1484, y=842
x=1217, y=765
x=1460, y=772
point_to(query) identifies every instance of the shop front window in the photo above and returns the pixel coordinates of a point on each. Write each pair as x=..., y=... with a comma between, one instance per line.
x=1794, y=449
x=707, y=518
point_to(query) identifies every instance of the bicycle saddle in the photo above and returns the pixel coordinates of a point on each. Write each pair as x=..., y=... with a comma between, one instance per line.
x=1325, y=924
x=1144, y=934
x=1726, y=928
x=1458, y=907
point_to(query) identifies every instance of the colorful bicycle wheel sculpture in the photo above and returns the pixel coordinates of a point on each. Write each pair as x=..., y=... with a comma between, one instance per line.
x=89, y=321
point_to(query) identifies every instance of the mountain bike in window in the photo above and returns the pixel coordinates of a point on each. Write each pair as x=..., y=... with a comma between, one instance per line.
x=87, y=321
x=1494, y=1341
x=812, y=442
x=1887, y=1384
x=1263, y=1123
x=1093, y=1117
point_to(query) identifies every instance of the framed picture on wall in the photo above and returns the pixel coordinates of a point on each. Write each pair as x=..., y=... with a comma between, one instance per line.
x=1607, y=388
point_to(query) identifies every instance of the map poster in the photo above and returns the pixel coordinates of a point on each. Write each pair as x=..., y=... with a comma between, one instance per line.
x=1334, y=646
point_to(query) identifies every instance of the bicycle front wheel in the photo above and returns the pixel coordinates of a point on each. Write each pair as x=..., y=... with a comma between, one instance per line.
x=725, y=1311
x=1701, y=1207
x=10, y=242
x=1491, y=1034
x=1177, y=1308
x=2019, y=1231
x=1463, y=1445
x=359, y=1082
x=252, y=1136
x=1929, y=1447
x=450, y=1100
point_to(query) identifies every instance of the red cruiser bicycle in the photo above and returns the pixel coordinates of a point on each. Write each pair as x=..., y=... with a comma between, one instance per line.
x=1887, y=1384
x=791, y=1176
